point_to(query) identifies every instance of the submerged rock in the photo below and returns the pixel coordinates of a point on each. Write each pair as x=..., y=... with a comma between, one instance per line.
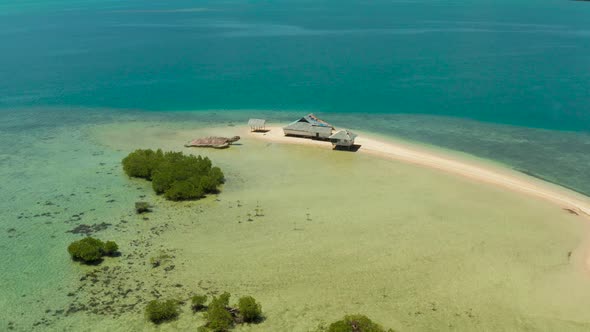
x=89, y=229
x=142, y=207
x=213, y=142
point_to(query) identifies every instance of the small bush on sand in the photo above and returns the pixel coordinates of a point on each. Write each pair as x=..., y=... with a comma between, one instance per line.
x=110, y=248
x=249, y=309
x=223, y=299
x=159, y=311
x=198, y=302
x=87, y=250
x=354, y=323
x=90, y=250
x=219, y=319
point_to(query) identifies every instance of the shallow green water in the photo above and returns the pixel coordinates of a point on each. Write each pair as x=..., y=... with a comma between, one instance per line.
x=415, y=249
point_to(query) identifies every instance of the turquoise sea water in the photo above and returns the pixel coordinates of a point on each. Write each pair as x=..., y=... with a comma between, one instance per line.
x=516, y=62
x=503, y=80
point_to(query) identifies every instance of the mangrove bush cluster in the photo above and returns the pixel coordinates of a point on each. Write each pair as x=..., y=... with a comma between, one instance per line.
x=90, y=250
x=219, y=314
x=173, y=174
x=221, y=317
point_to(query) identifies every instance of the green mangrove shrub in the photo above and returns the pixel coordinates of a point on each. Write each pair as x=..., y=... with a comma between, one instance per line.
x=250, y=310
x=224, y=299
x=354, y=323
x=159, y=311
x=90, y=250
x=173, y=174
x=198, y=302
x=110, y=248
x=219, y=318
x=142, y=163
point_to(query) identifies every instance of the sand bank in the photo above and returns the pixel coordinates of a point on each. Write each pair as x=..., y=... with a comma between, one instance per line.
x=353, y=232
x=415, y=248
x=569, y=200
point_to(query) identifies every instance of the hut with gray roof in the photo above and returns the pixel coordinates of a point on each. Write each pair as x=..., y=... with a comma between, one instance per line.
x=309, y=126
x=343, y=139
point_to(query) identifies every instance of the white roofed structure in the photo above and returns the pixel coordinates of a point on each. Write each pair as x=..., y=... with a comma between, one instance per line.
x=257, y=124
x=343, y=138
x=309, y=126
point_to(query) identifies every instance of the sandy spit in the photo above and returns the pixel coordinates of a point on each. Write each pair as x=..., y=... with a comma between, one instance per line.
x=568, y=200
x=506, y=178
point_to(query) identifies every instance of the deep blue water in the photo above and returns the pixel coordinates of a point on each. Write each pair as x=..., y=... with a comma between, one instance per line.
x=514, y=62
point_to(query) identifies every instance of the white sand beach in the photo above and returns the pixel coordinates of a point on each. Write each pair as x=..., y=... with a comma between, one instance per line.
x=570, y=201
x=573, y=202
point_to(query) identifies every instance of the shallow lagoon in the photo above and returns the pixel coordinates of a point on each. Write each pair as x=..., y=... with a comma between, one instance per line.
x=414, y=248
